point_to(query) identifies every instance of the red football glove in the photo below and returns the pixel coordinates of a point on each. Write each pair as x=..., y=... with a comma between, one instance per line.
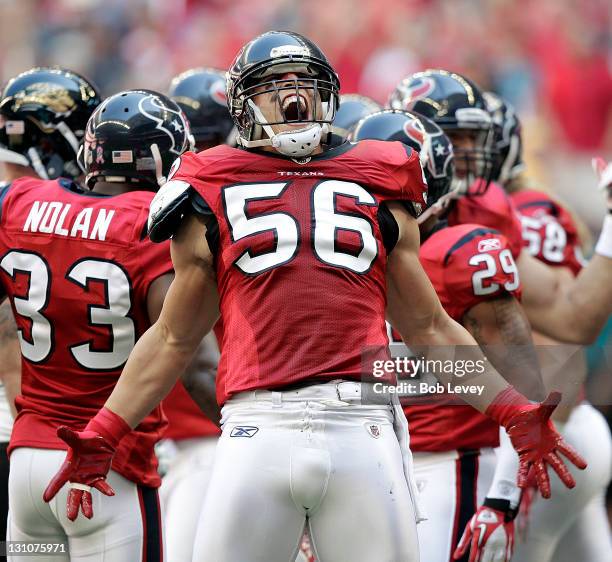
x=88, y=461
x=489, y=536
x=534, y=438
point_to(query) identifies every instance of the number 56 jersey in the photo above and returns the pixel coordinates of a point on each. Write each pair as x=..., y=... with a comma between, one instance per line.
x=301, y=259
x=77, y=269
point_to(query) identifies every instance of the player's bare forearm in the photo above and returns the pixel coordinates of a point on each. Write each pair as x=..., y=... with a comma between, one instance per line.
x=200, y=376
x=164, y=351
x=503, y=332
x=572, y=310
x=10, y=355
x=564, y=369
x=415, y=311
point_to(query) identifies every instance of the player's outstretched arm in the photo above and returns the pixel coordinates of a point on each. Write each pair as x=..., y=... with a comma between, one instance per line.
x=576, y=310
x=190, y=309
x=415, y=311
x=573, y=310
x=200, y=375
x=154, y=366
x=504, y=334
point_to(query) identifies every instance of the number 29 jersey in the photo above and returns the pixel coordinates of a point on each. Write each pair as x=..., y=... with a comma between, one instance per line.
x=467, y=264
x=301, y=260
x=77, y=268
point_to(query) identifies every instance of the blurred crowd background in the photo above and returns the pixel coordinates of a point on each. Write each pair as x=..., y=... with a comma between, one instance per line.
x=551, y=58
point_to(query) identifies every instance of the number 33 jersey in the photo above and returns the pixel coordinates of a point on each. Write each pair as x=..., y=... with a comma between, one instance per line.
x=301, y=261
x=77, y=268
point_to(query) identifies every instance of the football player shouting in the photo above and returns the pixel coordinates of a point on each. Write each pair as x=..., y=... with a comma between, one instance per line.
x=284, y=234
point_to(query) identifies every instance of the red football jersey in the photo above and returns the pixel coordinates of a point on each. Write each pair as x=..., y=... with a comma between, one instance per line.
x=493, y=209
x=466, y=264
x=301, y=260
x=77, y=268
x=185, y=419
x=549, y=231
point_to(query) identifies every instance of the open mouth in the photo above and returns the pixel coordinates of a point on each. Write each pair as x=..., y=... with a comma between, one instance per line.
x=295, y=108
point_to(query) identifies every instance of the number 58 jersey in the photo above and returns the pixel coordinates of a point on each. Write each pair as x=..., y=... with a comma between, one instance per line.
x=301, y=259
x=77, y=269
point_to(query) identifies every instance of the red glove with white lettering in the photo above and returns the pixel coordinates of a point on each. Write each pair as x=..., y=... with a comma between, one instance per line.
x=88, y=461
x=490, y=533
x=534, y=437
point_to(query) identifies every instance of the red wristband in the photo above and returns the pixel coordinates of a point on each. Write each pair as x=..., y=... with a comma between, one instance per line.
x=505, y=405
x=110, y=426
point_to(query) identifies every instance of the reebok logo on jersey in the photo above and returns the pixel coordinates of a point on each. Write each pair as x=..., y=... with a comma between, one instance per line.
x=244, y=431
x=489, y=245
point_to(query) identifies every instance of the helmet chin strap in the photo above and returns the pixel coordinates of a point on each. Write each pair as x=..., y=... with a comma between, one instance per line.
x=37, y=164
x=459, y=186
x=70, y=137
x=81, y=159
x=438, y=207
x=509, y=169
x=294, y=144
x=11, y=157
x=161, y=179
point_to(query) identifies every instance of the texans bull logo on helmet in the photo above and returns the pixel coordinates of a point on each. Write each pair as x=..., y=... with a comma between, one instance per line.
x=419, y=88
x=218, y=93
x=150, y=105
x=415, y=131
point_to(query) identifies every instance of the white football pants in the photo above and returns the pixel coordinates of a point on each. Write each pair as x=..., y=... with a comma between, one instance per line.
x=573, y=525
x=451, y=486
x=182, y=494
x=124, y=527
x=312, y=455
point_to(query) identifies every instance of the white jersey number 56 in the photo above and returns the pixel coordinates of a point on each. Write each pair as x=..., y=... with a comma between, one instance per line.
x=326, y=222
